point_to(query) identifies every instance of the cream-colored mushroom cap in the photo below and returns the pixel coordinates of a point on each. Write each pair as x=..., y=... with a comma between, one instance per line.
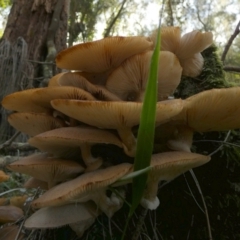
x=167, y=166
x=34, y=123
x=47, y=169
x=213, y=110
x=10, y=214
x=3, y=176
x=38, y=100
x=191, y=44
x=129, y=80
x=89, y=186
x=101, y=55
x=58, y=216
x=121, y=116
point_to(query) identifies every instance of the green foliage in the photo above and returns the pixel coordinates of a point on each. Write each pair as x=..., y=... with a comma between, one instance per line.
x=5, y=3
x=212, y=76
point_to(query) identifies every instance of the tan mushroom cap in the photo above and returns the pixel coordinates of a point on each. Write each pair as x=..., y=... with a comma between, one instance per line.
x=121, y=116
x=38, y=100
x=89, y=186
x=167, y=166
x=58, y=216
x=213, y=110
x=3, y=176
x=47, y=169
x=34, y=123
x=10, y=214
x=71, y=139
x=114, y=115
x=76, y=79
x=35, y=183
x=129, y=80
x=101, y=55
x=170, y=38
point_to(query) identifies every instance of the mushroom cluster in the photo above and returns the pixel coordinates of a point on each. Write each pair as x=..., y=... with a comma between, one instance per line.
x=98, y=101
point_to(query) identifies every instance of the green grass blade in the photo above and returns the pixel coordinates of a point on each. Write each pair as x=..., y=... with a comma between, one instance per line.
x=146, y=130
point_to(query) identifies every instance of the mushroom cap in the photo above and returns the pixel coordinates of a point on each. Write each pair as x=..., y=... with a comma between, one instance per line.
x=35, y=183
x=58, y=216
x=101, y=55
x=61, y=141
x=10, y=214
x=3, y=176
x=114, y=115
x=76, y=79
x=38, y=100
x=81, y=187
x=193, y=66
x=170, y=38
x=192, y=43
x=34, y=123
x=129, y=80
x=47, y=169
x=168, y=165
x=213, y=110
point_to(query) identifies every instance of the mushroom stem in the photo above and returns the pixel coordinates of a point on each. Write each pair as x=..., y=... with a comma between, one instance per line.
x=129, y=141
x=182, y=140
x=91, y=162
x=150, y=199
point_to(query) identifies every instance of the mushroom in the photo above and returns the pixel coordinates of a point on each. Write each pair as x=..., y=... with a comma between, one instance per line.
x=82, y=214
x=167, y=166
x=10, y=214
x=89, y=186
x=63, y=141
x=212, y=110
x=76, y=79
x=34, y=123
x=129, y=80
x=174, y=136
x=191, y=44
x=121, y=116
x=3, y=176
x=47, y=169
x=101, y=55
x=38, y=100
x=35, y=183
x=170, y=38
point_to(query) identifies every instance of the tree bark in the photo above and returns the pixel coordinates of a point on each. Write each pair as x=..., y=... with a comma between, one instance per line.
x=30, y=20
x=36, y=30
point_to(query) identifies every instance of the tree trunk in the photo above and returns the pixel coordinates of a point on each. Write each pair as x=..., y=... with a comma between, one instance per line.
x=36, y=30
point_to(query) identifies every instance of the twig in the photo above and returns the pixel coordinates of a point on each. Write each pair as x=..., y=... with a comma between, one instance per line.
x=204, y=203
x=220, y=147
x=28, y=209
x=140, y=223
x=9, y=141
x=215, y=141
x=231, y=69
x=230, y=41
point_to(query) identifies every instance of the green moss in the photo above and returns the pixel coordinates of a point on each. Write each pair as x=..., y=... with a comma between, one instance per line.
x=212, y=76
